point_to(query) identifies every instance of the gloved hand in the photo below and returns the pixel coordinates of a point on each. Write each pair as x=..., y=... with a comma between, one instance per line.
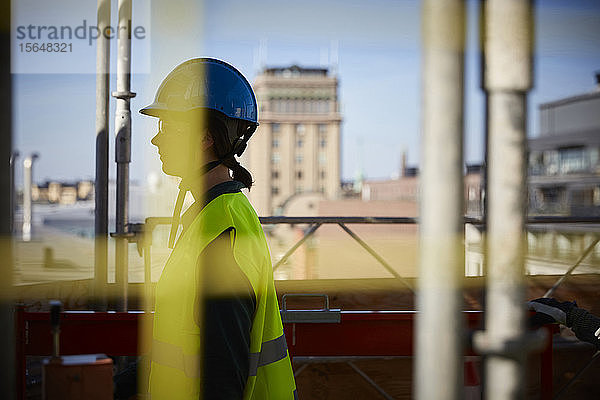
x=550, y=311
x=585, y=325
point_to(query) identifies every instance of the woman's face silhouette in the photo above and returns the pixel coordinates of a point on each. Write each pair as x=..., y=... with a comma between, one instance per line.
x=181, y=148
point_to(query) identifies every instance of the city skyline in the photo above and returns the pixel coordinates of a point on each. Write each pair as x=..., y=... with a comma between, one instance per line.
x=379, y=57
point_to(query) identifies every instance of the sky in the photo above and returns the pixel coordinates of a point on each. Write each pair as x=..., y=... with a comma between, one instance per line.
x=378, y=64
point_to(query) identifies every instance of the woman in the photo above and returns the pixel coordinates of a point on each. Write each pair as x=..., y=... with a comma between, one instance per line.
x=217, y=329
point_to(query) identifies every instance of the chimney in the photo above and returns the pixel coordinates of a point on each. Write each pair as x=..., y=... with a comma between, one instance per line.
x=403, y=165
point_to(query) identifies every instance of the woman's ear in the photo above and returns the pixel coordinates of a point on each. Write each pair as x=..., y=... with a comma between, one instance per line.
x=207, y=140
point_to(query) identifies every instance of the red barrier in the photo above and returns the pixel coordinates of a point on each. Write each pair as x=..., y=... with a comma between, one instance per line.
x=359, y=333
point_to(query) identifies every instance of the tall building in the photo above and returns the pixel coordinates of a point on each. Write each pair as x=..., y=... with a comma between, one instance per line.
x=564, y=160
x=296, y=148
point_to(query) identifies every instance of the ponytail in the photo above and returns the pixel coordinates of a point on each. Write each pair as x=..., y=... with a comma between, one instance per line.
x=240, y=173
x=224, y=149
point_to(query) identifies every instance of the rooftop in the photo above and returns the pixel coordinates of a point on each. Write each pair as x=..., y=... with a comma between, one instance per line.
x=295, y=70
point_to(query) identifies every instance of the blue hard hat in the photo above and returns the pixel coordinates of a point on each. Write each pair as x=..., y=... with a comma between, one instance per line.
x=205, y=83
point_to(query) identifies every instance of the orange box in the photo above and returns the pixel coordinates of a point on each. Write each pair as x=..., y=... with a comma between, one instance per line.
x=87, y=377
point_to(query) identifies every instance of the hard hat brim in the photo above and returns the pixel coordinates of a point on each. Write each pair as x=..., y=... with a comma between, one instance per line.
x=154, y=110
x=159, y=111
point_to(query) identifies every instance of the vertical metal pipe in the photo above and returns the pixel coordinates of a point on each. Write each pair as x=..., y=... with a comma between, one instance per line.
x=27, y=184
x=13, y=159
x=484, y=172
x=147, y=277
x=7, y=338
x=123, y=147
x=508, y=77
x=101, y=184
x=145, y=329
x=26, y=225
x=439, y=351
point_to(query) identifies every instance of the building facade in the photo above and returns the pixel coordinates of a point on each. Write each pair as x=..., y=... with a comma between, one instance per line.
x=62, y=192
x=405, y=188
x=296, y=148
x=564, y=161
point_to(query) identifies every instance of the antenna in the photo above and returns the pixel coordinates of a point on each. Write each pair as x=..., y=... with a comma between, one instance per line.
x=262, y=53
x=403, y=161
x=335, y=58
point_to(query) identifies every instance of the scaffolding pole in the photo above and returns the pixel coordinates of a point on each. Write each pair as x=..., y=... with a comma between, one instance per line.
x=27, y=189
x=101, y=184
x=439, y=350
x=508, y=78
x=7, y=338
x=13, y=160
x=123, y=149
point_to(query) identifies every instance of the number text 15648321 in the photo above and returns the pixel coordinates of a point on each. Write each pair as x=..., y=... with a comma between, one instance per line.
x=50, y=47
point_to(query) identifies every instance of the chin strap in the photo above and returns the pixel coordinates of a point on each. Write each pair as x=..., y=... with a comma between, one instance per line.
x=184, y=187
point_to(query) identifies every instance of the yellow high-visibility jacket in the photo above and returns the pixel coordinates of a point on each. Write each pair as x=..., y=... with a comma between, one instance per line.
x=177, y=341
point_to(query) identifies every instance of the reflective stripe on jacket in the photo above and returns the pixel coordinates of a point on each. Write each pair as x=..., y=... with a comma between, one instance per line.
x=177, y=342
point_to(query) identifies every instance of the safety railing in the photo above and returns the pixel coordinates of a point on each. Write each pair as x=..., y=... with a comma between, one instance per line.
x=314, y=223
x=142, y=234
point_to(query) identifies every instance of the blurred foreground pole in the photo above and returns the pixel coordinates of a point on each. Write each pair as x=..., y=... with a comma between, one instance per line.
x=7, y=339
x=13, y=195
x=439, y=364
x=101, y=184
x=27, y=186
x=508, y=78
x=123, y=148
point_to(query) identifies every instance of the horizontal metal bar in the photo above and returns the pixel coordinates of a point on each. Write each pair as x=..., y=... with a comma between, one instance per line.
x=337, y=220
x=152, y=222
x=341, y=359
x=551, y=219
x=311, y=316
x=538, y=219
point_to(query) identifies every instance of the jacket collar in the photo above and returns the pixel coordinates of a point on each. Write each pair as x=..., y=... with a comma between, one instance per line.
x=221, y=188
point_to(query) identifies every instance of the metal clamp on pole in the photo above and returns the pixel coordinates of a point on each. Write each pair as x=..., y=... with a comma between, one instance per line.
x=515, y=349
x=134, y=234
x=123, y=95
x=323, y=316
